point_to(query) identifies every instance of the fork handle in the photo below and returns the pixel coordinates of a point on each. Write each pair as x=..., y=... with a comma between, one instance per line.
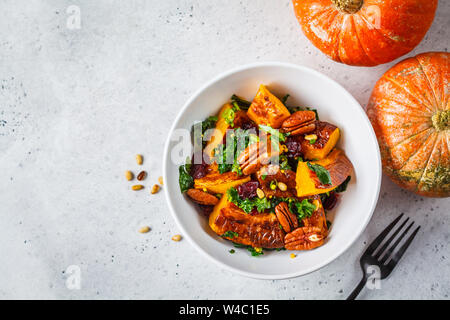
x=358, y=288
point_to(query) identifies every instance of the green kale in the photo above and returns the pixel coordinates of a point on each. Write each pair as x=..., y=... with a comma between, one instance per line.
x=343, y=186
x=255, y=252
x=233, y=195
x=229, y=116
x=274, y=132
x=230, y=234
x=199, y=136
x=242, y=103
x=284, y=165
x=185, y=179
x=239, y=245
x=304, y=209
x=284, y=99
x=262, y=204
x=226, y=157
x=321, y=172
x=247, y=205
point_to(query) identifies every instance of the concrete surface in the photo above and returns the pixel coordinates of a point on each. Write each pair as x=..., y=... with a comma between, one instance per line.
x=76, y=105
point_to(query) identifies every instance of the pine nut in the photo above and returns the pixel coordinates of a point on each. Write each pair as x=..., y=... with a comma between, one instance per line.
x=137, y=187
x=282, y=186
x=155, y=189
x=260, y=193
x=129, y=175
x=141, y=176
x=310, y=137
x=160, y=180
x=144, y=229
x=139, y=159
x=176, y=237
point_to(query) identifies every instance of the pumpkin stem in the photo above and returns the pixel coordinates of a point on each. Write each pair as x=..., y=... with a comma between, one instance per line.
x=348, y=6
x=441, y=120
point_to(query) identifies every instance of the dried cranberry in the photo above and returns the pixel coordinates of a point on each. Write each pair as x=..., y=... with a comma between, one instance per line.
x=250, y=125
x=198, y=169
x=253, y=212
x=294, y=146
x=330, y=201
x=248, y=189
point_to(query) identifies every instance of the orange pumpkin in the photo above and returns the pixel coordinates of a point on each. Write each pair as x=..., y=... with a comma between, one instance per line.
x=410, y=113
x=365, y=32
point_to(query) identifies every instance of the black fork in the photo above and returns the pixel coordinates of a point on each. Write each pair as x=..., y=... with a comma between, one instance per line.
x=374, y=257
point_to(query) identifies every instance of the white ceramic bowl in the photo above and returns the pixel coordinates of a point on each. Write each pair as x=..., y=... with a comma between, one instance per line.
x=334, y=104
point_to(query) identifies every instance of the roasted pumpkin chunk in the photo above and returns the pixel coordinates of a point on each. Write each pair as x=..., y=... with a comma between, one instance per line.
x=318, y=218
x=227, y=119
x=327, y=135
x=219, y=182
x=232, y=223
x=267, y=109
x=336, y=163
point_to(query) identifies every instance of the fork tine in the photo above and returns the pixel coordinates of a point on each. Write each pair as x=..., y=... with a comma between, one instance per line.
x=392, y=248
x=388, y=242
x=397, y=256
x=375, y=243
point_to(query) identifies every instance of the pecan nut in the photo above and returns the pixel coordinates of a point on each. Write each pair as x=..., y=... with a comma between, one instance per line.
x=285, y=217
x=202, y=197
x=256, y=155
x=304, y=238
x=300, y=122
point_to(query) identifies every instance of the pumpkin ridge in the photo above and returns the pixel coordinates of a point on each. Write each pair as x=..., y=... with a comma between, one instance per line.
x=427, y=105
x=428, y=161
x=413, y=107
x=411, y=137
x=417, y=151
x=338, y=37
x=399, y=113
x=372, y=27
x=357, y=29
x=428, y=82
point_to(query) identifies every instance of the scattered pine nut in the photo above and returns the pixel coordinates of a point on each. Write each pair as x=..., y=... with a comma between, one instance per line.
x=129, y=175
x=160, y=180
x=141, y=176
x=144, y=229
x=260, y=193
x=282, y=186
x=310, y=137
x=137, y=187
x=176, y=237
x=292, y=255
x=155, y=189
x=139, y=159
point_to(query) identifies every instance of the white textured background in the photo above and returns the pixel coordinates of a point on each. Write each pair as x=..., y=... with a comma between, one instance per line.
x=77, y=105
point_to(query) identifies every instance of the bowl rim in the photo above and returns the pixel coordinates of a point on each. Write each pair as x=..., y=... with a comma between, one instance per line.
x=358, y=108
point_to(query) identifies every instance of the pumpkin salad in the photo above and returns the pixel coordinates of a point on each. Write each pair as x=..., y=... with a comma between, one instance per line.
x=265, y=174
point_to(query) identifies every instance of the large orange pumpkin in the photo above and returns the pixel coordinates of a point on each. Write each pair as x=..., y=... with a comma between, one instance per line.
x=365, y=32
x=410, y=113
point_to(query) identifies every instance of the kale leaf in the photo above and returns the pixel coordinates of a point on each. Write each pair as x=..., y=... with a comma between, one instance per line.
x=343, y=186
x=322, y=173
x=185, y=179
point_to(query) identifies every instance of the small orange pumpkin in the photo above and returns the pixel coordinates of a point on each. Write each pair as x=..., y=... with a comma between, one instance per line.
x=365, y=32
x=410, y=113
